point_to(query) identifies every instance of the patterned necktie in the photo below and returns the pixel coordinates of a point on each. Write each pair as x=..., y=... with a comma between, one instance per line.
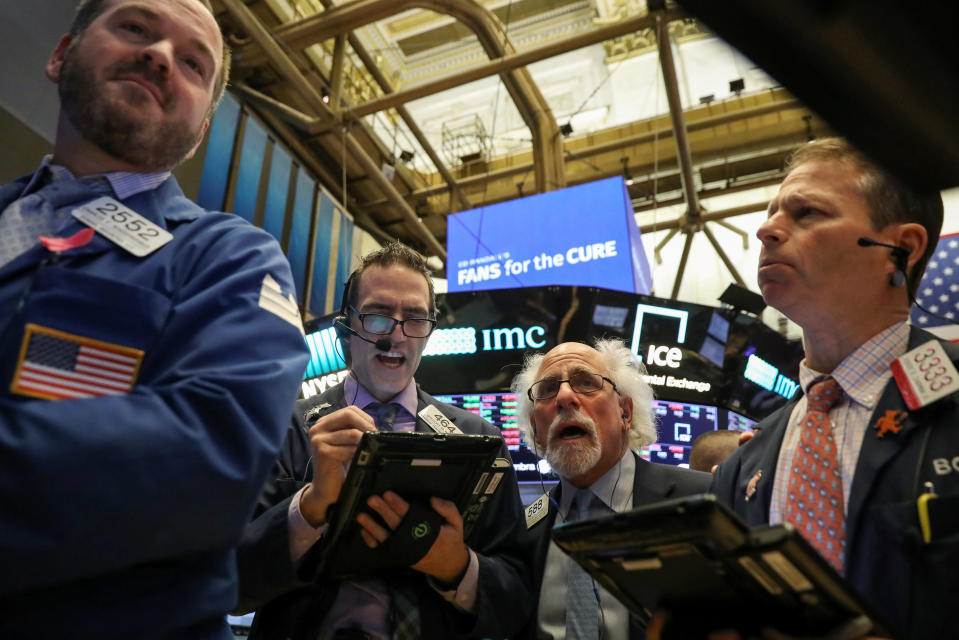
x=384, y=415
x=582, y=614
x=814, y=502
x=404, y=612
x=404, y=603
x=24, y=220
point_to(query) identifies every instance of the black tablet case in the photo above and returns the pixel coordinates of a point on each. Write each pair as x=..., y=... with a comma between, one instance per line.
x=461, y=468
x=696, y=558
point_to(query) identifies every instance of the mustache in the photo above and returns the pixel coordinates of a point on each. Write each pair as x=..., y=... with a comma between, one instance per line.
x=567, y=416
x=146, y=71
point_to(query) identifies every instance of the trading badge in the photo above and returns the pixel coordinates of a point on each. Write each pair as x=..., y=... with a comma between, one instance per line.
x=537, y=510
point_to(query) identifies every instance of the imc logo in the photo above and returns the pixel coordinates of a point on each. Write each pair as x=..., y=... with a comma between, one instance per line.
x=462, y=340
x=499, y=339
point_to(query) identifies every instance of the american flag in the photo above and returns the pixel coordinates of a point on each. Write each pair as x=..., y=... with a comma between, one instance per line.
x=58, y=365
x=939, y=291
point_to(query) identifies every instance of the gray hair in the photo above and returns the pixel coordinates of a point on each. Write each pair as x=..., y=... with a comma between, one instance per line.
x=626, y=371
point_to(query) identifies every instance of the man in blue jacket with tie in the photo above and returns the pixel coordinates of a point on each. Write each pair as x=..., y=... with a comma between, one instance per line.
x=149, y=350
x=877, y=425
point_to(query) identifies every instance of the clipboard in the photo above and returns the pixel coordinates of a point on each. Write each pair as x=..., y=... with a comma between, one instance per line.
x=695, y=557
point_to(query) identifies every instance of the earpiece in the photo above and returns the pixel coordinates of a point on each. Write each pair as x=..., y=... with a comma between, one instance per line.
x=624, y=416
x=899, y=254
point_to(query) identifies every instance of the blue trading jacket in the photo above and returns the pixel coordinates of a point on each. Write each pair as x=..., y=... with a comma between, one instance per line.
x=119, y=514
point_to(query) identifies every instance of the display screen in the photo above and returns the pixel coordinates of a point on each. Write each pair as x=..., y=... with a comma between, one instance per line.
x=541, y=240
x=765, y=372
x=500, y=410
x=680, y=423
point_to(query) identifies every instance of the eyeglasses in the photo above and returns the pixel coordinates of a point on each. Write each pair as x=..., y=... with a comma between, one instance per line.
x=582, y=382
x=381, y=325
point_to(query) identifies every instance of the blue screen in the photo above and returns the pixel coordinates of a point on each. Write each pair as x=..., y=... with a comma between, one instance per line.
x=582, y=235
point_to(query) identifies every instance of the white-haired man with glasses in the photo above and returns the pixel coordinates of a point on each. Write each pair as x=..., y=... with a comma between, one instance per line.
x=458, y=588
x=588, y=410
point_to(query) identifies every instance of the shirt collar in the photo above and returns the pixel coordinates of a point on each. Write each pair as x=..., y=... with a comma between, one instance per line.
x=864, y=372
x=357, y=395
x=614, y=488
x=124, y=183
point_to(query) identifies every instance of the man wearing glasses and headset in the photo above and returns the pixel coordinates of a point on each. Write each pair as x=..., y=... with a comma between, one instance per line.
x=588, y=410
x=478, y=587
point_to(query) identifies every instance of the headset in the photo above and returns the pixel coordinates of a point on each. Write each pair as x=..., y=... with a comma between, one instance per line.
x=341, y=324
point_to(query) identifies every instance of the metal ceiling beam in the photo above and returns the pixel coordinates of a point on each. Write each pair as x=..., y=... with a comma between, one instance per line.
x=411, y=124
x=492, y=36
x=680, y=135
x=706, y=217
x=289, y=72
x=507, y=63
x=722, y=256
x=616, y=145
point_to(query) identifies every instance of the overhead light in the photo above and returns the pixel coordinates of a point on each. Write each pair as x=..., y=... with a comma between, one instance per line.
x=566, y=129
x=406, y=156
x=707, y=99
x=736, y=86
x=325, y=94
x=627, y=176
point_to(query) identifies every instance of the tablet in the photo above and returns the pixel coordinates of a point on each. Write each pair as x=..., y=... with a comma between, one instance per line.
x=464, y=469
x=697, y=559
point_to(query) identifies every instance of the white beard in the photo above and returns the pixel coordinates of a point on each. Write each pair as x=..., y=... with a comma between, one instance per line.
x=570, y=459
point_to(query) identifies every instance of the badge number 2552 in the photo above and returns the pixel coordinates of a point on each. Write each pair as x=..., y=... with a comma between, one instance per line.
x=123, y=226
x=124, y=217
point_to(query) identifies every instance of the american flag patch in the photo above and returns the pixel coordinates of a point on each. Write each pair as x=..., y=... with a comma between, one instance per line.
x=54, y=365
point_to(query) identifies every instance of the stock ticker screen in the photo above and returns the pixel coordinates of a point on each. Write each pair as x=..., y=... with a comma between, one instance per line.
x=500, y=410
x=680, y=423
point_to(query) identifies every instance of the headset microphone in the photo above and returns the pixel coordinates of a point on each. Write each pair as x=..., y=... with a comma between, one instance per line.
x=899, y=254
x=383, y=344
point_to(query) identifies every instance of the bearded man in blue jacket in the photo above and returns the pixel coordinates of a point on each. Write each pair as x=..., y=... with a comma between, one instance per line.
x=149, y=350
